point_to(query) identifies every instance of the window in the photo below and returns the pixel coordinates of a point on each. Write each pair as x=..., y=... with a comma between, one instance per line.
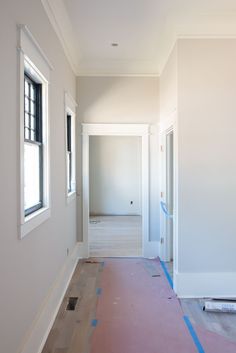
x=33, y=152
x=69, y=154
x=34, y=138
x=70, y=108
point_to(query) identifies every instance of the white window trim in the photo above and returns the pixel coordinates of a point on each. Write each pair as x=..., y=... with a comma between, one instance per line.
x=70, y=108
x=33, y=57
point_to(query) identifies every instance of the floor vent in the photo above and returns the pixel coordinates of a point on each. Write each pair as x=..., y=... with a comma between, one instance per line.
x=72, y=301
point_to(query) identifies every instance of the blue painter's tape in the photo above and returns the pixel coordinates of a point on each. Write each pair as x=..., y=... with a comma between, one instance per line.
x=94, y=323
x=99, y=291
x=193, y=334
x=164, y=209
x=169, y=279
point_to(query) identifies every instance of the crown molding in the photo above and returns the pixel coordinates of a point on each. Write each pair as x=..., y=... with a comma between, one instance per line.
x=59, y=19
x=66, y=41
x=89, y=74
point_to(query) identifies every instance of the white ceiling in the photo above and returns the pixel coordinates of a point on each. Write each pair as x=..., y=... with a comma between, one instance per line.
x=145, y=30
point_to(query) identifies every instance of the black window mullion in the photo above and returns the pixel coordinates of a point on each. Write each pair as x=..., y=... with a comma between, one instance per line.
x=69, y=151
x=68, y=133
x=30, y=111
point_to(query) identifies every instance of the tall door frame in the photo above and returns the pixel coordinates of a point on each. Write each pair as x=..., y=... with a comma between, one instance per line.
x=139, y=130
x=166, y=127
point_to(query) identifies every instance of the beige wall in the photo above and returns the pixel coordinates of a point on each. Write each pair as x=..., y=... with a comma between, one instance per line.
x=126, y=100
x=207, y=163
x=168, y=87
x=29, y=267
x=115, y=175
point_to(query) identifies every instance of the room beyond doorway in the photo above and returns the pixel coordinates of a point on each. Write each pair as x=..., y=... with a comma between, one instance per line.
x=140, y=131
x=115, y=224
x=114, y=236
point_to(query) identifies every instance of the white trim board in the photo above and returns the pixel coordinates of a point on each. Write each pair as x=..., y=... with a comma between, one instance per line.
x=205, y=285
x=169, y=123
x=39, y=331
x=58, y=17
x=33, y=60
x=141, y=130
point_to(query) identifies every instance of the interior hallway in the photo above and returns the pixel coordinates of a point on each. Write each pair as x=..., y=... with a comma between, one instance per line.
x=127, y=306
x=115, y=236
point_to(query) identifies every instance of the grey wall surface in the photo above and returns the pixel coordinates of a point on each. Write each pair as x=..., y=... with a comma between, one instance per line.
x=29, y=267
x=115, y=175
x=207, y=163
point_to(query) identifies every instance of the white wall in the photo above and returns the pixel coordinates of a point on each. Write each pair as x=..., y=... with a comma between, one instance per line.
x=29, y=267
x=199, y=83
x=207, y=145
x=126, y=100
x=168, y=87
x=115, y=175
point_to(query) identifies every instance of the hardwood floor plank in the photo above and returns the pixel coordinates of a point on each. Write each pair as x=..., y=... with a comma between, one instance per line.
x=111, y=236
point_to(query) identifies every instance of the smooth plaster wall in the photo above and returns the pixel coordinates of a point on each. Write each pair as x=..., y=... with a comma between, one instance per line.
x=29, y=267
x=207, y=163
x=115, y=175
x=126, y=100
x=168, y=87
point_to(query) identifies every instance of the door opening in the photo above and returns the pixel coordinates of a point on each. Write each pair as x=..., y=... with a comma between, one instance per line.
x=170, y=192
x=167, y=202
x=135, y=130
x=115, y=212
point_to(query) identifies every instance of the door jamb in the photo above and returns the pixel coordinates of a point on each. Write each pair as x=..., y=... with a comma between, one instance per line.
x=165, y=128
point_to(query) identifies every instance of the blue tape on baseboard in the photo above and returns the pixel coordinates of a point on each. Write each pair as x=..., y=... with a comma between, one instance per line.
x=169, y=279
x=94, y=323
x=99, y=291
x=193, y=334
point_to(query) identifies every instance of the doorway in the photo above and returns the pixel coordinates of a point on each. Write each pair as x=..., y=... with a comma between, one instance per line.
x=115, y=213
x=131, y=130
x=167, y=200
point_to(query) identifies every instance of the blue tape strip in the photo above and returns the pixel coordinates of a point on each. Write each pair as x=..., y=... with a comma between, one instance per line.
x=164, y=209
x=94, y=323
x=169, y=279
x=193, y=334
x=99, y=291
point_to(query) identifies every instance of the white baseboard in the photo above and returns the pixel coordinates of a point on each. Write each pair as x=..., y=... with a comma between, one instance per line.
x=42, y=325
x=205, y=285
x=151, y=249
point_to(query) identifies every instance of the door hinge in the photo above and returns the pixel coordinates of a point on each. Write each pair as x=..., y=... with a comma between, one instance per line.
x=162, y=194
x=162, y=240
x=162, y=148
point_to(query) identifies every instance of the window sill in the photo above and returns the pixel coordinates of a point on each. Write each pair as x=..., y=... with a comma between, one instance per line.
x=70, y=197
x=34, y=220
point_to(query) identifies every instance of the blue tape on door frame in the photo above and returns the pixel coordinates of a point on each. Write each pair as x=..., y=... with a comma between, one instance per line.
x=94, y=323
x=169, y=279
x=193, y=334
x=99, y=291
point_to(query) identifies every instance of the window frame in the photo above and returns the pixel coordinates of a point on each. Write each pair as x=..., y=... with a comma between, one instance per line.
x=33, y=61
x=38, y=135
x=70, y=110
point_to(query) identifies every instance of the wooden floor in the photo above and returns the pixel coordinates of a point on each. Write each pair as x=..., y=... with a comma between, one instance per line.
x=73, y=330
x=222, y=323
x=111, y=236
